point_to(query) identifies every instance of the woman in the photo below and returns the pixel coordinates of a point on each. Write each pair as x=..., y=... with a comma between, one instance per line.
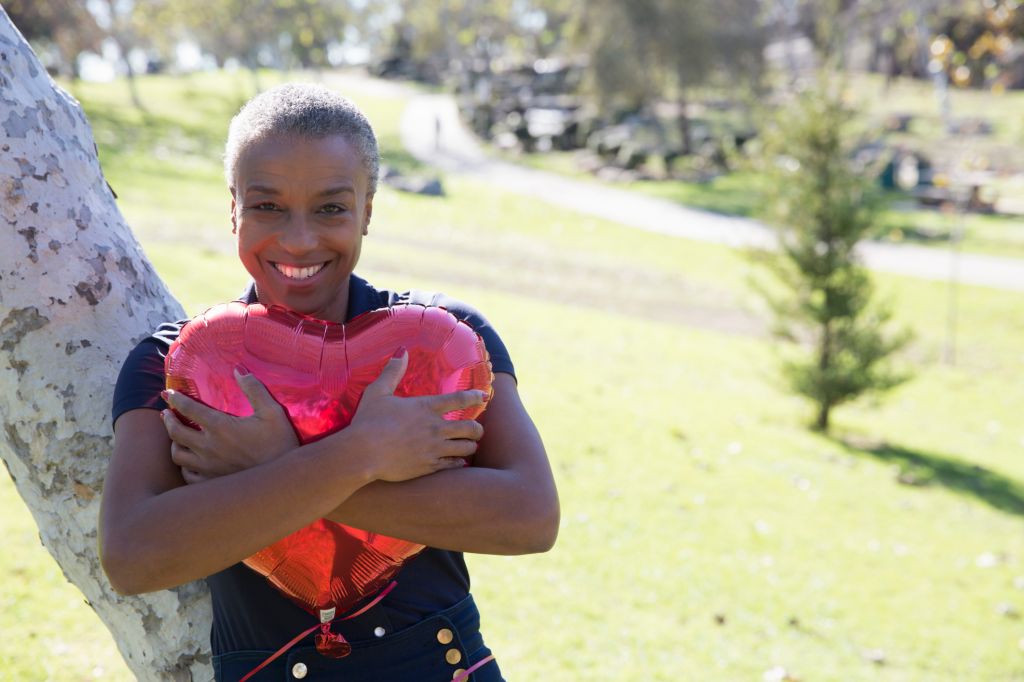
x=180, y=504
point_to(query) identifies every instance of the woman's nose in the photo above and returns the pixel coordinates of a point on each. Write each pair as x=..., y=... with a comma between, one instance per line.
x=299, y=236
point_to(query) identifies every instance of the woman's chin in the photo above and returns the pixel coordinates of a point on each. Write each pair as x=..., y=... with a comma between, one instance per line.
x=311, y=302
x=324, y=312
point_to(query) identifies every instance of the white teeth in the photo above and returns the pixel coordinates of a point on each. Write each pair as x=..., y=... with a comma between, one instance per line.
x=292, y=272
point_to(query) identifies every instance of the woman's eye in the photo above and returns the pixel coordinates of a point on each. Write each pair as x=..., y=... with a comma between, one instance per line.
x=332, y=209
x=263, y=207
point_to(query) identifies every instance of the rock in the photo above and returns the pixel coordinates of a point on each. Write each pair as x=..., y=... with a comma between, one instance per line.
x=430, y=187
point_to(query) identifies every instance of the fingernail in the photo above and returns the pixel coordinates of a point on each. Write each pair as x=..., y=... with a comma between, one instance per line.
x=164, y=414
x=399, y=353
x=483, y=395
x=241, y=371
x=165, y=395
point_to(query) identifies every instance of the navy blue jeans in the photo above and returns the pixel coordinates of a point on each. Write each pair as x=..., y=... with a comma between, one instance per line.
x=433, y=650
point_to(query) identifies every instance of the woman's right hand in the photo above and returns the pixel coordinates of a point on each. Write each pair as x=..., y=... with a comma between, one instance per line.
x=225, y=444
x=409, y=437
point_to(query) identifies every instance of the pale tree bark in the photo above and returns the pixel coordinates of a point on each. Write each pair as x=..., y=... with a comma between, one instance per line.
x=76, y=293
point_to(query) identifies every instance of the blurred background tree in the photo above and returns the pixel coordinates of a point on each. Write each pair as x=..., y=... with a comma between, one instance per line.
x=823, y=201
x=261, y=33
x=647, y=51
x=126, y=30
x=899, y=34
x=60, y=30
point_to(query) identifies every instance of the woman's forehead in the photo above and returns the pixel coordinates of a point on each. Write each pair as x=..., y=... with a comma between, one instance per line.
x=283, y=158
x=282, y=142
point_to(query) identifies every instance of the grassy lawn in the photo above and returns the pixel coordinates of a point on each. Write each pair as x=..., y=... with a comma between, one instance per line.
x=706, y=534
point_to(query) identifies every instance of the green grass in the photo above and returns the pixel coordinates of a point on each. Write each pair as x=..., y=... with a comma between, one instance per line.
x=1004, y=111
x=50, y=633
x=706, y=533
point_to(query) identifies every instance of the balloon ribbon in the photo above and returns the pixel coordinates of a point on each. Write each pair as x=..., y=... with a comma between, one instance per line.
x=479, y=664
x=331, y=642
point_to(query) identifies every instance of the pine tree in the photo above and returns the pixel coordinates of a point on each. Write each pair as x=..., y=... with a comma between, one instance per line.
x=822, y=201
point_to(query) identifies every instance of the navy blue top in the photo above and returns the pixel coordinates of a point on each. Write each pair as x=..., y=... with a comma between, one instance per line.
x=248, y=613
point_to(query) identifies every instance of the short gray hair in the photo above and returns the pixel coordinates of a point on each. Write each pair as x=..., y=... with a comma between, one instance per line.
x=306, y=110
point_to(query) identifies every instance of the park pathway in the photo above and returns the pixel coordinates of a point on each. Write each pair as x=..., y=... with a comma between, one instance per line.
x=434, y=134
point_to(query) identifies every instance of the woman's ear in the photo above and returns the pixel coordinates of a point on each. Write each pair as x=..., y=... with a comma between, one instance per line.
x=368, y=214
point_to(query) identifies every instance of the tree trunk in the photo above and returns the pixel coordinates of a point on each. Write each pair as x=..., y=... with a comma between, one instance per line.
x=133, y=88
x=129, y=73
x=821, y=422
x=254, y=71
x=684, y=126
x=76, y=293
x=119, y=35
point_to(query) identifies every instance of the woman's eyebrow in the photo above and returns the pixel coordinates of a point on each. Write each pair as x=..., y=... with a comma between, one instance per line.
x=262, y=189
x=341, y=189
x=330, y=191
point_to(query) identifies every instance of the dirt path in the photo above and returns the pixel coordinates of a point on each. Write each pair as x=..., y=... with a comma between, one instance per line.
x=434, y=134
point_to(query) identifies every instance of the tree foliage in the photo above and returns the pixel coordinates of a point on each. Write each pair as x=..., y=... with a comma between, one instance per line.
x=63, y=26
x=458, y=35
x=983, y=36
x=255, y=32
x=822, y=201
x=644, y=50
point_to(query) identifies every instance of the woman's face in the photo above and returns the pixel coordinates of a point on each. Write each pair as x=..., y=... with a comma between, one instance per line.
x=300, y=208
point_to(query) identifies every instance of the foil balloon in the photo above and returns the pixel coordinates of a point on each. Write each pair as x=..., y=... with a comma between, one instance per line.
x=317, y=371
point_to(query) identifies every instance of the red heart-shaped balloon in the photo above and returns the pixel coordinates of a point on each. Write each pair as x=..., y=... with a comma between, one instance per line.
x=317, y=371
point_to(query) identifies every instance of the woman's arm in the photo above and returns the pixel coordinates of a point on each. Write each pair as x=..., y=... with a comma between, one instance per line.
x=506, y=503
x=155, y=532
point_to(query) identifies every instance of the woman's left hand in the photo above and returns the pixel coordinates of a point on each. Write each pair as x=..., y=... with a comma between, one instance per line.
x=227, y=444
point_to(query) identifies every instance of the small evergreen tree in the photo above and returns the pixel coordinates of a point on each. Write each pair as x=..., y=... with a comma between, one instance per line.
x=822, y=202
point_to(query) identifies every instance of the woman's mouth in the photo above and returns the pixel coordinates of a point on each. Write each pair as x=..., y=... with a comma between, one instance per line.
x=299, y=273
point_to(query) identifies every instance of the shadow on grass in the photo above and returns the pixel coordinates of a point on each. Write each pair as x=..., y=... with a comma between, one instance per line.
x=120, y=133
x=120, y=130
x=916, y=235
x=917, y=468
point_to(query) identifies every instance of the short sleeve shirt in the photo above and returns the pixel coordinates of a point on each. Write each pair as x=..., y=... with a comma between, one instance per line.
x=248, y=613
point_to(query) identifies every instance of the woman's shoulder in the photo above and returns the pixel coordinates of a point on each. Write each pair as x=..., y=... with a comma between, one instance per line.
x=142, y=375
x=501, y=360
x=365, y=297
x=460, y=309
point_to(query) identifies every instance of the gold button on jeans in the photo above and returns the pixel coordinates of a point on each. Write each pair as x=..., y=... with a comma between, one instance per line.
x=458, y=671
x=299, y=671
x=453, y=656
x=445, y=636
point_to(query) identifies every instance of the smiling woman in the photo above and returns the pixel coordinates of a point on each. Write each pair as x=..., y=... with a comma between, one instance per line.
x=181, y=504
